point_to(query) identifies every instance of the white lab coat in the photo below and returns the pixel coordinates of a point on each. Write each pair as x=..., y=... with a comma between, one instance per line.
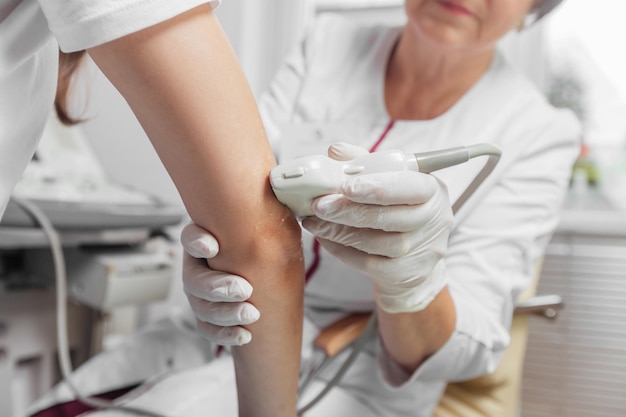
x=337, y=75
x=336, y=78
x=31, y=33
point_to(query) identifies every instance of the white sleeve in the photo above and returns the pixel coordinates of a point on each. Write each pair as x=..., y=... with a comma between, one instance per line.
x=277, y=104
x=493, y=254
x=82, y=24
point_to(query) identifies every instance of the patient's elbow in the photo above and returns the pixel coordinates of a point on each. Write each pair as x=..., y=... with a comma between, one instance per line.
x=268, y=250
x=281, y=239
x=278, y=249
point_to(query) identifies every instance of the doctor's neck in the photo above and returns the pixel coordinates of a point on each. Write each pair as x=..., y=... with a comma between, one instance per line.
x=422, y=81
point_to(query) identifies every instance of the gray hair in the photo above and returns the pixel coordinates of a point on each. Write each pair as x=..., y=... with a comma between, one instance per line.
x=542, y=8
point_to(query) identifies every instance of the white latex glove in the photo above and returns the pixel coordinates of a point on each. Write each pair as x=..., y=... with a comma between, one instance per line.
x=218, y=299
x=392, y=227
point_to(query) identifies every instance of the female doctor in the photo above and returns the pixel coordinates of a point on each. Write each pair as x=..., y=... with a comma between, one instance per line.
x=444, y=287
x=173, y=64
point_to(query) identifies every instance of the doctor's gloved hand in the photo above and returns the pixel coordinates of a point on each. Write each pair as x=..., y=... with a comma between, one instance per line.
x=218, y=299
x=392, y=227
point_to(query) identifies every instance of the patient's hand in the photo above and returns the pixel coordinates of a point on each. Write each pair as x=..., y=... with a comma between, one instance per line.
x=218, y=299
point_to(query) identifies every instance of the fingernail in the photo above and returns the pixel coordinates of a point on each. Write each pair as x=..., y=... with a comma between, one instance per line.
x=232, y=290
x=250, y=314
x=241, y=290
x=202, y=248
x=310, y=223
x=335, y=151
x=222, y=292
x=234, y=336
x=244, y=338
x=325, y=205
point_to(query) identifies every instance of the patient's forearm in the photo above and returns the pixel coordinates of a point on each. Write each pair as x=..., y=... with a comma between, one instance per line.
x=187, y=90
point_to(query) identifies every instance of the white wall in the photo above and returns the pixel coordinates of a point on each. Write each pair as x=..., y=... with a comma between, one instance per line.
x=599, y=27
x=586, y=41
x=268, y=31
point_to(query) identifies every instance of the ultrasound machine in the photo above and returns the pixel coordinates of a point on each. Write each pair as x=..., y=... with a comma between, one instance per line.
x=116, y=249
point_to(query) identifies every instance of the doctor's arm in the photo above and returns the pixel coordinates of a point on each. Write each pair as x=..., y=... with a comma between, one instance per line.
x=186, y=88
x=489, y=259
x=445, y=306
x=393, y=227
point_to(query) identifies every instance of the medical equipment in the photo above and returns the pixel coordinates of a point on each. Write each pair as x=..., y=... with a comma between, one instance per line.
x=296, y=183
x=104, y=277
x=101, y=235
x=58, y=261
x=69, y=183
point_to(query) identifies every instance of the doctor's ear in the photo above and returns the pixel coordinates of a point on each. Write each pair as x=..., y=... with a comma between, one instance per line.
x=540, y=9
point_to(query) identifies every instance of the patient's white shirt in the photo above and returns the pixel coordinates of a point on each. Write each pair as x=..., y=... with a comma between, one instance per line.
x=31, y=32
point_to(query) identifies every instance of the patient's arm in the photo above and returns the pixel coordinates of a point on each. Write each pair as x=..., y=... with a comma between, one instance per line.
x=183, y=82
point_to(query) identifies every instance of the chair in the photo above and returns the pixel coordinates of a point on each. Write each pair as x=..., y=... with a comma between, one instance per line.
x=497, y=394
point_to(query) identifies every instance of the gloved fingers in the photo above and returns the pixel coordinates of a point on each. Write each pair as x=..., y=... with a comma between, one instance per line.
x=225, y=336
x=223, y=314
x=202, y=282
x=198, y=242
x=343, y=151
x=388, y=273
x=216, y=298
x=371, y=265
x=337, y=208
x=368, y=240
x=391, y=188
